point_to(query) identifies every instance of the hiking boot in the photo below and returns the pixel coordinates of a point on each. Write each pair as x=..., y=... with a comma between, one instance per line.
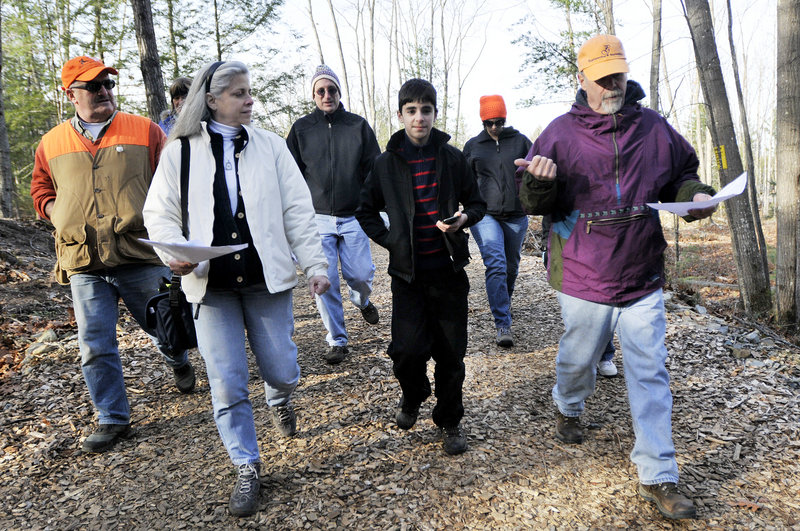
x=284, y=419
x=607, y=369
x=454, y=440
x=504, y=338
x=669, y=501
x=184, y=378
x=406, y=415
x=370, y=314
x=336, y=354
x=568, y=429
x=244, y=498
x=106, y=436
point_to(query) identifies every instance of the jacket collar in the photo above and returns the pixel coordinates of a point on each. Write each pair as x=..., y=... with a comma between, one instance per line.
x=248, y=133
x=438, y=138
x=332, y=117
x=633, y=93
x=507, y=132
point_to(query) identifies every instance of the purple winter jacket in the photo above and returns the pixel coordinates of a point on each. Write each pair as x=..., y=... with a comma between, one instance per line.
x=606, y=245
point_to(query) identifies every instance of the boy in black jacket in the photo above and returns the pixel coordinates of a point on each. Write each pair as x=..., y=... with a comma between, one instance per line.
x=420, y=181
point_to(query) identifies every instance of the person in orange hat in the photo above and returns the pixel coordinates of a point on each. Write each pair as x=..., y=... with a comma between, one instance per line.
x=500, y=233
x=595, y=170
x=90, y=179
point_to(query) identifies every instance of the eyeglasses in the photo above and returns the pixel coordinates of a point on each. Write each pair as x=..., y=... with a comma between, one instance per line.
x=492, y=123
x=94, y=86
x=333, y=91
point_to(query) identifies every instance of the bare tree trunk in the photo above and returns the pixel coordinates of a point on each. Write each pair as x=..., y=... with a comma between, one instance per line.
x=316, y=35
x=371, y=66
x=173, y=43
x=607, y=8
x=9, y=193
x=655, y=55
x=752, y=184
x=445, y=64
x=148, y=58
x=753, y=288
x=217, y=37
x=788, y=161
x=341, y=53
x=430, y=45
x=97, y=44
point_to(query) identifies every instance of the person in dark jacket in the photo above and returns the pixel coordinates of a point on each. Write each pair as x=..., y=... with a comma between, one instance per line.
x=420, y=181
x=335, y=150
x=500, y=233
x=594, y=170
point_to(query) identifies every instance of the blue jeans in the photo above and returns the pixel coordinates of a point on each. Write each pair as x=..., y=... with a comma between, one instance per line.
x=95, y=298
x=500, y=242
x=343, y=239
x=222, y=321
x=641, y=327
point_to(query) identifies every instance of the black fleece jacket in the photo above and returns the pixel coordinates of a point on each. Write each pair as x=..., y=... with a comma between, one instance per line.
x=492, y=162
x=334, y=153
x=388, y=187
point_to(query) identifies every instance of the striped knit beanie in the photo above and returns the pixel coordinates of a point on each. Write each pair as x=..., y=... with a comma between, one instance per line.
x=325, y=72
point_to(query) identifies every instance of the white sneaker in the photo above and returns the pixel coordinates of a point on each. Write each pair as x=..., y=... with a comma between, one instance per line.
x=607, y=368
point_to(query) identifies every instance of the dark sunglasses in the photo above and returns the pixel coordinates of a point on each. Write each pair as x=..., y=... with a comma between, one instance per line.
x=491, y=123
x=333, y=91
x=94, y=86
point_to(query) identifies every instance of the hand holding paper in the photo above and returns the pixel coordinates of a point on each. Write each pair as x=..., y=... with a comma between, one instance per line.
x=732, y=189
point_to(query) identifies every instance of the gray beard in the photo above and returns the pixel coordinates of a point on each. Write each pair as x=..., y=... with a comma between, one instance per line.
x=610, y=106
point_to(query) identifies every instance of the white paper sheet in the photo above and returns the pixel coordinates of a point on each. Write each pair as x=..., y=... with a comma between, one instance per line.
x=732, y=189
x=194, y=252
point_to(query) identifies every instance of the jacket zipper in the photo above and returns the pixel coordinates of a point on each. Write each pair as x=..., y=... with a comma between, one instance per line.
x=615, y=221
x=616, y=160
x=330, y=150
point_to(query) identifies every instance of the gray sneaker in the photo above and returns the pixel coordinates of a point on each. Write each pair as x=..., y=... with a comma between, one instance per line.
x=244, y=498
x=504, y=338
x=336, y=354
x=106, y=436
x=284, y=419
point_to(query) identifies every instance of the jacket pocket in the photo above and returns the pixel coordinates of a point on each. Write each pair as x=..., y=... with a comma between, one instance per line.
x=72, y=250
x=613, y=221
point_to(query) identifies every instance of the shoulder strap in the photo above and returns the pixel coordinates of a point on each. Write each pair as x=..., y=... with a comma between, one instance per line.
x=185, y=154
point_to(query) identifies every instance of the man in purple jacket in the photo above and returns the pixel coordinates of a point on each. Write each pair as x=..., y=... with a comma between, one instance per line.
x=594, y=169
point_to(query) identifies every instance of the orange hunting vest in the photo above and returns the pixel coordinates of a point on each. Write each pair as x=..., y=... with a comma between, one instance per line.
x=97, y=213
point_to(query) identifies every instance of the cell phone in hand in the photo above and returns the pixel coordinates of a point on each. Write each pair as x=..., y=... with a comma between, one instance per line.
x=451, y=220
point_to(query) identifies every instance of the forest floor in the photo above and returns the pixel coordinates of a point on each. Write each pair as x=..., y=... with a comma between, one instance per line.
x=736, y=426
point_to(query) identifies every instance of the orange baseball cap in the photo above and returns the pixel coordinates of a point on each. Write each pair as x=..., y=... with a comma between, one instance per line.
x=83, y=68
x=601, y=56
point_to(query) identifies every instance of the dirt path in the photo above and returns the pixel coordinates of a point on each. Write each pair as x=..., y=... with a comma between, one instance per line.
x=735, y=423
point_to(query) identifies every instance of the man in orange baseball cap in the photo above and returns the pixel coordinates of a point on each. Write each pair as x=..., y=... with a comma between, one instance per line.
x=83, y=68
x=90, y=179
x=594, y=170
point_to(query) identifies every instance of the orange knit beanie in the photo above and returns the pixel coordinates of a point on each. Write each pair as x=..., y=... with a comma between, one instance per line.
x=492, y=107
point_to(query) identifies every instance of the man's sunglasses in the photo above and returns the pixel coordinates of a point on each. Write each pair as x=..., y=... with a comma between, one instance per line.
x=491, y=123
x=94, y=86
x=333, y=91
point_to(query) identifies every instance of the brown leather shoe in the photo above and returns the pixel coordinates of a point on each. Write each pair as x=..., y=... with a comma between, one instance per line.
x=568, y=429
x=669, y=501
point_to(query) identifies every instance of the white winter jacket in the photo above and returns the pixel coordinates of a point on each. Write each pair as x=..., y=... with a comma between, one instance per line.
x=276, y=199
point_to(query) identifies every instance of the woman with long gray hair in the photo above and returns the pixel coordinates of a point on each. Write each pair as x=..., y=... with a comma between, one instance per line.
x=244, y=187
